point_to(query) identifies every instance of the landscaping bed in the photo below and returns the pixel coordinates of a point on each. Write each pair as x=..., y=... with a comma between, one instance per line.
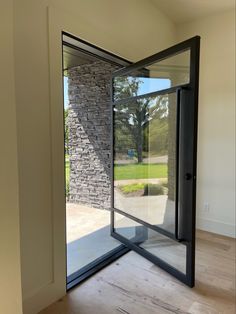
x=143, y=189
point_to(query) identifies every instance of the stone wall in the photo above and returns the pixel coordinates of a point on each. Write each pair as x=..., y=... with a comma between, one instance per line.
x=89, y=123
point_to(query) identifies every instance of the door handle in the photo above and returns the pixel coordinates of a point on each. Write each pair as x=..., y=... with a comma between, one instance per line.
x=188, y=176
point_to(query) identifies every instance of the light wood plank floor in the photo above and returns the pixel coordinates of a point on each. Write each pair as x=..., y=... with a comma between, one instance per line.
x=133, y=285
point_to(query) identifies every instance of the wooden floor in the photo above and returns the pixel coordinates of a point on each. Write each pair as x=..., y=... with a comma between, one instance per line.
x=133, y=285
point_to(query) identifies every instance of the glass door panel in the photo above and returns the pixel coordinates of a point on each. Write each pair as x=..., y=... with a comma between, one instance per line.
x=154, y=114
x=162, y=74
x=160, y=246
x=145, y=159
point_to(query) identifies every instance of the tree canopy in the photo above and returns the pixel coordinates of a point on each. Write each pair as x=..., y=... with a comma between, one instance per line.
x=139, y=123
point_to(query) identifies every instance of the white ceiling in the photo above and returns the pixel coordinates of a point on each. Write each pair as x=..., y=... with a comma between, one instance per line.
x=180, y=11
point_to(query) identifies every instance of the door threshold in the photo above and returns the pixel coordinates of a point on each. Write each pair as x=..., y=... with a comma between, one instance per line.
x=87, y=271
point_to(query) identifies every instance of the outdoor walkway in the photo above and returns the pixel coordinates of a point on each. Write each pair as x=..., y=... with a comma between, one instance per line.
x=132, y=181
x=152, y=160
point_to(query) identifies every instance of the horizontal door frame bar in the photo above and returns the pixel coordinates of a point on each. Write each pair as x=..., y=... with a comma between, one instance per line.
x=152, y=94
x=154, y=259
x=80, y=44
x=169, y=52
x=148, y=225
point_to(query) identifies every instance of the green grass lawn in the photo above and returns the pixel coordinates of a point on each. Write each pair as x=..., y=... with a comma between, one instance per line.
x=140, y=171
x=131, y=171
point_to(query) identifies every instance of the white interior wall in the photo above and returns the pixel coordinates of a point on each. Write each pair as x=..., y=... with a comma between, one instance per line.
x=216, y=135
x=133, y=33
x=10, y=276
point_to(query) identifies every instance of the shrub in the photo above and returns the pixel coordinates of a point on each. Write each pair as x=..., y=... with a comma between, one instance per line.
x=165, y=184
x=153, y=189
x=130, y=188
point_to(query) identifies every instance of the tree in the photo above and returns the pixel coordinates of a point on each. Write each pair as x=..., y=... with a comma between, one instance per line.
x=158, y=136
x=135, y=115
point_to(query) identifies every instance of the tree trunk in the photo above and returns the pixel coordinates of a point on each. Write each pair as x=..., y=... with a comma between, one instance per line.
x=139, y=152
x=139, y=143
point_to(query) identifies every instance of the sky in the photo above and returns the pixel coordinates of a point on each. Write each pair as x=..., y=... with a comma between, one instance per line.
x=153, y=84
x=66, y=98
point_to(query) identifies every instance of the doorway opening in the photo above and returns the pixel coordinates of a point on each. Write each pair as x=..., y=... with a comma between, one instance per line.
x=130, y=155
x=87, y=72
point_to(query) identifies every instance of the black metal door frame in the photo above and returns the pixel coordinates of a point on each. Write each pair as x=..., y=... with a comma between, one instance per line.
x=187, y=102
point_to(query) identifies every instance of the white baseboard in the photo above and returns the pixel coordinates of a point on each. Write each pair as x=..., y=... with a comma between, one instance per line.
x=218, y=227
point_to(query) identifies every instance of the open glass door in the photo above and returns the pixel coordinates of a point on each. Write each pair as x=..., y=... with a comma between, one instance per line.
x=154, y=112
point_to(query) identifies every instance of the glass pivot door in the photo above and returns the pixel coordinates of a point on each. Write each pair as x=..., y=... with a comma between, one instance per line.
x=154, y=120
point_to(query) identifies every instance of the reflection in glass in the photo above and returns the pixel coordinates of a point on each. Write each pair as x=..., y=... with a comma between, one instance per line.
x=144, y=159
x=169, y=72
x=170, y=251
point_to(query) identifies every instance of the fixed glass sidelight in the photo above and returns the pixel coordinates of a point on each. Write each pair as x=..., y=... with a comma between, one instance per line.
x=87, y=71
x=154, y=157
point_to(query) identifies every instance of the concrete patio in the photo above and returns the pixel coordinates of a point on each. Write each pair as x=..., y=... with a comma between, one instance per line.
x=88, y=235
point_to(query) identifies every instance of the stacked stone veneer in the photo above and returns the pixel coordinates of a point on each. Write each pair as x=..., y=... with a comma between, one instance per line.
x=89, y=123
